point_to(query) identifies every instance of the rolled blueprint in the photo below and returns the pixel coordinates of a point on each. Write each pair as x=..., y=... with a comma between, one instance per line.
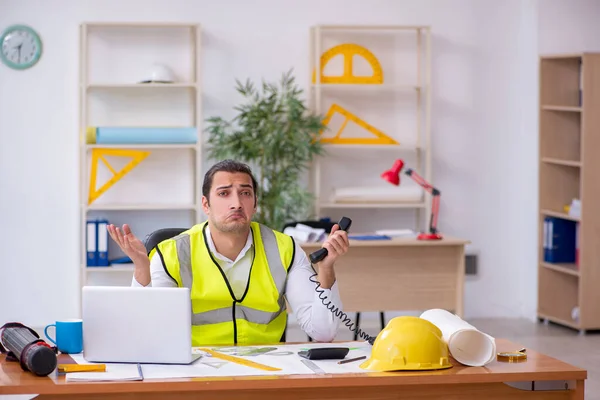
x=467, y=344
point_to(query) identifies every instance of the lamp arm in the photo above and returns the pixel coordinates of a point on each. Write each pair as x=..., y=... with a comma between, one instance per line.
x=435, y=203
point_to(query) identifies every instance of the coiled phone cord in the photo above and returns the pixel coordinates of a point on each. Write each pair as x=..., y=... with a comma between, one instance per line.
x=339, y=313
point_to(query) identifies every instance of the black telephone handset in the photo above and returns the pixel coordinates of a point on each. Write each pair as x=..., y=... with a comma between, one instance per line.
x=315, y=257
x=320, y=254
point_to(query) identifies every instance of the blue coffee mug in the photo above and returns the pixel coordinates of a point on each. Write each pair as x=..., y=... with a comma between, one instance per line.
x=69, y=335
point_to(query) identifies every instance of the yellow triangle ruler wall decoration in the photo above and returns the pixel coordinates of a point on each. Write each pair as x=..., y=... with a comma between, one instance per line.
x=378, y=137
x=349, y=50
x=99, y=155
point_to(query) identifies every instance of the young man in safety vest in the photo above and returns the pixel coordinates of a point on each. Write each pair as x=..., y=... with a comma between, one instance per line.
x=237, y=267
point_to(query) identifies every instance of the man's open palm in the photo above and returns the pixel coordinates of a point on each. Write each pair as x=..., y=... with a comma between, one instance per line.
x=128, y=242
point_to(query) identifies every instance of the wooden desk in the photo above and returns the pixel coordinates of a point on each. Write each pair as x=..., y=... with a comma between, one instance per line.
x=458, y=382
x=401, y=274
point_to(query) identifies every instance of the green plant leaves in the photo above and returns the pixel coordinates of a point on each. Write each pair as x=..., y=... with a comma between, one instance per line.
x=275, y=134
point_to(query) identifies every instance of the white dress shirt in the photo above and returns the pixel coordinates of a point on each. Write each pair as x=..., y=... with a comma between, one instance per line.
x=314, y=318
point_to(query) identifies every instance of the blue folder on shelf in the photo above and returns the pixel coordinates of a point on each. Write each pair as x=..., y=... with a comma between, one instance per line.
x=91, y=243
x=560, y=240
x=102, y=242
x=97, y=243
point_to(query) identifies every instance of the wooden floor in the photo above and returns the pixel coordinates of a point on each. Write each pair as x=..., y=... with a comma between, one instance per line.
x=565, y=344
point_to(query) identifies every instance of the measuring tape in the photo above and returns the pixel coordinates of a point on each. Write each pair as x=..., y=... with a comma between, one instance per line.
x=380, y=137
x=349, y=50
x=98, y=154
x=238, y=360
x=513, y=356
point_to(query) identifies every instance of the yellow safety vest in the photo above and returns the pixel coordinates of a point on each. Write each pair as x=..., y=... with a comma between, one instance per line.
x=218, y=317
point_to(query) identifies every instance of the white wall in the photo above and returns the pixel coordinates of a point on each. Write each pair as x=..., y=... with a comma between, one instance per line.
x=569, y=26
x=484, y=126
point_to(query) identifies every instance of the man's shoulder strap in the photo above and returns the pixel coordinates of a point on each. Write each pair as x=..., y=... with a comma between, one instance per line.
x=285, y=243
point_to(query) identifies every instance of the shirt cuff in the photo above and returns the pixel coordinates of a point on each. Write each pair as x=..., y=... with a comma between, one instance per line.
x=135, y=283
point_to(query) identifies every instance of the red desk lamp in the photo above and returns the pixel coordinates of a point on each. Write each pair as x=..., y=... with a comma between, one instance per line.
x=393, y=176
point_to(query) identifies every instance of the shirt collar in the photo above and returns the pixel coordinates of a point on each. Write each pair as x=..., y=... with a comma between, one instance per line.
x=213, y=249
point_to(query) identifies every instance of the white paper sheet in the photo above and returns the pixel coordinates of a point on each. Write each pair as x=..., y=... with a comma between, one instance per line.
x=208, y=366
x=114, y=372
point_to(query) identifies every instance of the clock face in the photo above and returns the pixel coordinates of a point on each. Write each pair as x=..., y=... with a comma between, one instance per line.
x=20, y=47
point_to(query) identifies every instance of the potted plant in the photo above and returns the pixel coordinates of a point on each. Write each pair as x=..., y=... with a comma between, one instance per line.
x=276, y=135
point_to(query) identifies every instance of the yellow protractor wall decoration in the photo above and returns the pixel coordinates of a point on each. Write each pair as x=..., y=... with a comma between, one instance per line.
x=98, y=155
x=348, y=51
x=378, y=137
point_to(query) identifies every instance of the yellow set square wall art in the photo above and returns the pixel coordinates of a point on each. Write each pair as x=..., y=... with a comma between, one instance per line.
x=349, y=51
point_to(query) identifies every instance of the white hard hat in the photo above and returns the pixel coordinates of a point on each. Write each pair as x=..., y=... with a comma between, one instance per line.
x=159, y=73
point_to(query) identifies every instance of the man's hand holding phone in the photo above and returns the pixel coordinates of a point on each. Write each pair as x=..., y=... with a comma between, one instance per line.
x=335, y=245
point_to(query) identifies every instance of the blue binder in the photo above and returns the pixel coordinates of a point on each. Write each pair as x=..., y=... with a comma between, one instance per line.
x=560, y=240
x=102, y=247
x=92, y=243
x=97, y=243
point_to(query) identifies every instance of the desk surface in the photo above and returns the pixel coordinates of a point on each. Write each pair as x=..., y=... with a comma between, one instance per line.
x=399, y=241
x=537, y=367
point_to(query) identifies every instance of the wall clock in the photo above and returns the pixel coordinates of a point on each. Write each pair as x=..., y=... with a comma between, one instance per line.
x=21, y=47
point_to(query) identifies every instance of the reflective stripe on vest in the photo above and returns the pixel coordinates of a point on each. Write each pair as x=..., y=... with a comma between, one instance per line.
x=276, y=268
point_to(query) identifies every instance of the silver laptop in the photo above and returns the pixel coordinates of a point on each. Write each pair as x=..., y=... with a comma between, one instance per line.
x=137, y=325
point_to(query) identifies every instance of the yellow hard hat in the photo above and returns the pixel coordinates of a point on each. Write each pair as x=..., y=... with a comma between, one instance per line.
x=408, y=343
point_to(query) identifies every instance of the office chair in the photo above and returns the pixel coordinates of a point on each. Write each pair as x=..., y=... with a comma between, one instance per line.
x=154, y=238
x=159, y=235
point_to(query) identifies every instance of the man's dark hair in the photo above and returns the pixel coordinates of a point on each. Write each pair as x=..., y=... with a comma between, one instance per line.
x=227, y=166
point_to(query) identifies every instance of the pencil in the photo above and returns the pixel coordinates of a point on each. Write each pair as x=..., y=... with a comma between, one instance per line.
x=352, y=359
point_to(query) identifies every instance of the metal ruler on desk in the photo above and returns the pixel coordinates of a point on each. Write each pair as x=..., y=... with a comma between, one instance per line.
x=314, y=367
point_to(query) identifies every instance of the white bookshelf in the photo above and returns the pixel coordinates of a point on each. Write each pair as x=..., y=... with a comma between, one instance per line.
x=400, y=107
x=164, y=189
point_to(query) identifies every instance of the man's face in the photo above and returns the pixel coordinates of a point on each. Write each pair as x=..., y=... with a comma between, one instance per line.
x=231, y=202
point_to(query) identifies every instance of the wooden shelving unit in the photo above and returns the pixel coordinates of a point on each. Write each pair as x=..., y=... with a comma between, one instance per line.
x=399, y=106
x=569, y=168
x=165, y=188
